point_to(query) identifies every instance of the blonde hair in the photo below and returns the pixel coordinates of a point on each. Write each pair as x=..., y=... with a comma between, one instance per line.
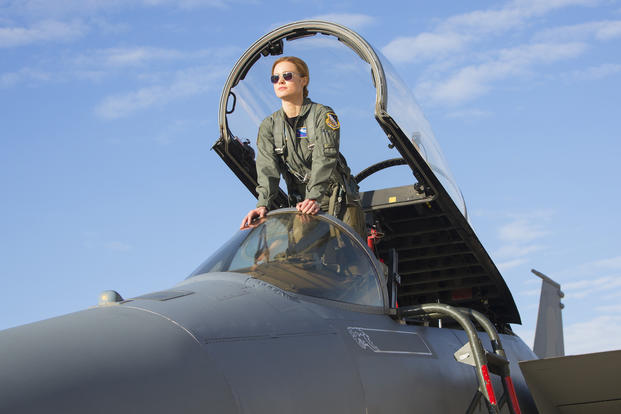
x=301, y=67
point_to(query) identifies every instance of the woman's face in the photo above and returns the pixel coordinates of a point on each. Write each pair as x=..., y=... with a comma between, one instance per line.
x=292, y=89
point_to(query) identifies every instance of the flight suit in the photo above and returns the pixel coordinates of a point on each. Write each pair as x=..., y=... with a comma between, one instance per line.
x=307, y=156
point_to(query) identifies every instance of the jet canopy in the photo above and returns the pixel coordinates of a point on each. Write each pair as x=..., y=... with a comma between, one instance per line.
x=308, y=255
x=339, y=79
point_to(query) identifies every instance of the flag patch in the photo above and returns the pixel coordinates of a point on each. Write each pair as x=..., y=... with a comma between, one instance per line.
x=300, y=132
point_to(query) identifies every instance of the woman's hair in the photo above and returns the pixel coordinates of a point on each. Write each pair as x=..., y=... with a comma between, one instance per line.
x=301, y=67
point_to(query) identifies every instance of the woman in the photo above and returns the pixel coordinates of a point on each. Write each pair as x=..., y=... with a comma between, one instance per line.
x=301, y=142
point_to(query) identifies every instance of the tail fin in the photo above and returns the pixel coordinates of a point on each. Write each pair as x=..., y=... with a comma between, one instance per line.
x=549, y=333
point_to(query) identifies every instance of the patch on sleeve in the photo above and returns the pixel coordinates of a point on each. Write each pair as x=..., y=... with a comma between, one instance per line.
x=332, y=121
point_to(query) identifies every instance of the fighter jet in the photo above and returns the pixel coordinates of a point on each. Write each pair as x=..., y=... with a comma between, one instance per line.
x=298, y=314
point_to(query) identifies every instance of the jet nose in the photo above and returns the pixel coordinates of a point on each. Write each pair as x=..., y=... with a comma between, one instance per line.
x=81, y=362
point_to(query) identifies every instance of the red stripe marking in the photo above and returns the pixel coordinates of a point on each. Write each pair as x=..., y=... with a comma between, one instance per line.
x=514, y=400
x=488, y=385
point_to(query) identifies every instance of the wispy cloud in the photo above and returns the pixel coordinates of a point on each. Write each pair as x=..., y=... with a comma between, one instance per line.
x=141, y=55
x=64, y=8
x=475, y=80
x=93, y=240
x=127, y=56
x=141, y=63
x=456, y=75
x=602, y=333
x=353, y=20
x=192, y=4
x=611, y=263
x=504, y=266
x=592, y=269
x=518, y=250
x=23, y=75
x=519, y=231
x=588, y=287
x=45, y=31
x=186, y=83
x=520, y=236
x=593, y=72
x=424, y=46
x=469, y=114
x=511, y=15
x=615, y=309
x=117, y=246
x=531, y=292
x=602, y=30
x=456, y=32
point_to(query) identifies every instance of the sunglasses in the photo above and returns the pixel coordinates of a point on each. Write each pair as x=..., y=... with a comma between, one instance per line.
x=287, y=76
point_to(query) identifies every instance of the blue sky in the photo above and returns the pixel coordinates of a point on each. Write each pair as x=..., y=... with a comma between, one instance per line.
x=108, y=110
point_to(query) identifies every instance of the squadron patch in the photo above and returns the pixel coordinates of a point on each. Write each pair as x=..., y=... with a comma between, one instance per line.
x=301, y=132
x=332, y=121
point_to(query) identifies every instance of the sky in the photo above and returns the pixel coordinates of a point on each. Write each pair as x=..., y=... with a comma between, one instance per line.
x=108, y=111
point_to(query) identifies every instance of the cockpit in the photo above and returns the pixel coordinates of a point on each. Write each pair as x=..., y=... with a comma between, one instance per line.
x=308, y=255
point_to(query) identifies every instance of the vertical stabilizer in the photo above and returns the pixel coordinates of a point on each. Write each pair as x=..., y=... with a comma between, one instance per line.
x=549, y=333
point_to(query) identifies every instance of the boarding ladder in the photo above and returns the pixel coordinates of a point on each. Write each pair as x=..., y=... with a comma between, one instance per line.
x=473, y=353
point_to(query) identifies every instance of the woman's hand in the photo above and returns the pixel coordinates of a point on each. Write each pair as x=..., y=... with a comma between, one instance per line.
x=308, y=206
x=259, y=212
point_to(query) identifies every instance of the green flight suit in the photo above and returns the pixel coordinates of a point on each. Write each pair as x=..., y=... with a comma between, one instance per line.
x=307, y=156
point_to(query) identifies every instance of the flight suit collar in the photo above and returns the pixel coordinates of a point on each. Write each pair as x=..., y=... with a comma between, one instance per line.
x=306, y=105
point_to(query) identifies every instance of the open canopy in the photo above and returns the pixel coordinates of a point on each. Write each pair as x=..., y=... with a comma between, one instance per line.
x=423, y=224
x=341, y=78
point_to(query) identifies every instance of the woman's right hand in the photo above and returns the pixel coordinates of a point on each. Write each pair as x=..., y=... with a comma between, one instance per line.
x=258, y=212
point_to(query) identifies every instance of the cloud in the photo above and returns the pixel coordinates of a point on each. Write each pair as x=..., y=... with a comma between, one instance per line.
x=186, y=83
x=593, y=72
x=588, y=287
x=531, y=292
x=521, y=231
x=450, y=43
x=145, y=64
x=63, y=8
x=45, y=31
x=610, y=309
x=473, y=81
x=504, y=266
x=517, y=250
x=130, y=56
x=485, y=21
x=469, y=114
x=592, y=268
x=141, y=55
x=23, y=75
x=353, y=20
x=192, y=4
x=602, y=30
x=117, y=246
x=456, y=32
x=423, y=46
x=512, y=14
x=519, y=237
x=612, y=263
x=602, y=333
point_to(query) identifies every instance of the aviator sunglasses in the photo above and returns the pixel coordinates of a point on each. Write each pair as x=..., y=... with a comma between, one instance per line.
x=287, y=76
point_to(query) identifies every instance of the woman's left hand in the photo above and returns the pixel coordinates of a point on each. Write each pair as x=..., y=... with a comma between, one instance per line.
x=308, y=206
